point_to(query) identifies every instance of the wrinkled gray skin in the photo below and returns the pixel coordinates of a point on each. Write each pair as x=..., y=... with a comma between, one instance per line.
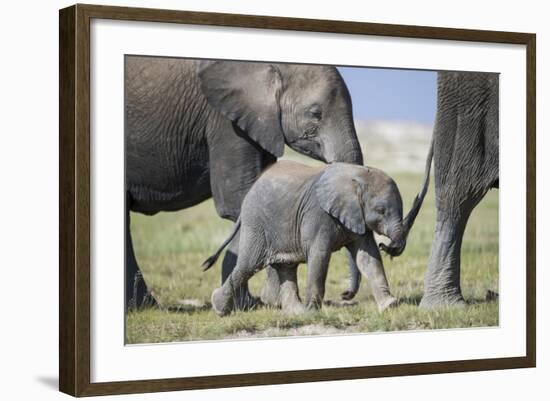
x=295, y=213
x=394, y=248
x=201, y=129
x=466, y=157
x=465, y=152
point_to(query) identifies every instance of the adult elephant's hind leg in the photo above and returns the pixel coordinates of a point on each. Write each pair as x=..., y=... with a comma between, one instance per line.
x=246, y=300
x=442, y=279
x=136, y=294
x=455, y=201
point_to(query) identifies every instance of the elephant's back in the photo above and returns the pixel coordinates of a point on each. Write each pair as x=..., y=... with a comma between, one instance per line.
x=280, y=188
x=286, y=170
x=156, y=89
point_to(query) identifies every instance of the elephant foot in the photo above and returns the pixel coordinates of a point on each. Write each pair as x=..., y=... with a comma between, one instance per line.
x=146, y=302
x=247, y=301
x=221, y=303
x=141, y=297
x=149, y=301
x=389, y=302
x=268, y=298
x=348, y=295
x=270, y=294
x=314, y=303
x=438, y=300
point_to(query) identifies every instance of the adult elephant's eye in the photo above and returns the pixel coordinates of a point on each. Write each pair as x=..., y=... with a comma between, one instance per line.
x=315, y=112
x=310, y=131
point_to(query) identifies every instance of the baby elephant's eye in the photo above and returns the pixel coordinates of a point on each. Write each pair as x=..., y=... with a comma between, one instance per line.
x=315, y=112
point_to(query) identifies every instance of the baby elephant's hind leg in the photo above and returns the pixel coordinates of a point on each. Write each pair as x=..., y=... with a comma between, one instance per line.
x=225, y=298
x=289, y=295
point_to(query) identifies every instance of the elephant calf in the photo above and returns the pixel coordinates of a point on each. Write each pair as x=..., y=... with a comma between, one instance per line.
x=295, y=213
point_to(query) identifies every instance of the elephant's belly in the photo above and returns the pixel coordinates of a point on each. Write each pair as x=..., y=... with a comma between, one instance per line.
x=286, y=258
x=162, y=202
x=150, y=200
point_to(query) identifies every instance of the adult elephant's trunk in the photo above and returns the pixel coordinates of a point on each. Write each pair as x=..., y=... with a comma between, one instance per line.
x=350, y=154
x=396, y=247
x=343, y=147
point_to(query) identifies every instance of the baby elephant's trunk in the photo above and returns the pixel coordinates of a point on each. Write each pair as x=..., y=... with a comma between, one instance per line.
x=396, y=246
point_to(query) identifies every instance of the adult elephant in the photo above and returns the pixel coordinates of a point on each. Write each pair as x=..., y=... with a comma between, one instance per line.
x=466, y=157
x=201, y=129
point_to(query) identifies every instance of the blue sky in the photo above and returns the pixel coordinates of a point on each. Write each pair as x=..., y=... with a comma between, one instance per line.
x=385, y=94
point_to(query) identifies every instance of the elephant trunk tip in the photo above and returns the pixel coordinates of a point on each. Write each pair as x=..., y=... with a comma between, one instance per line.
x=394, y=249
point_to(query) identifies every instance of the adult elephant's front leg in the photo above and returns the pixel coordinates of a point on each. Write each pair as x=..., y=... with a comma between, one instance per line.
x=245, y=300
x=442, y=279
x=137, y=293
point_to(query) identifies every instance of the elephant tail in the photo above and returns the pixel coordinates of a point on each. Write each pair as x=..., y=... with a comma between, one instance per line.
x=408, y=221
x=208, y=263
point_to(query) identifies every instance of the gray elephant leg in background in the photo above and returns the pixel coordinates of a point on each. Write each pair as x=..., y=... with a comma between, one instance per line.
x=442, y=279
x=246, y=300
x=137, y=294
x=456, y=198
x=354, y=278
x=289, y=294
x=271, y=288
x=370, y=264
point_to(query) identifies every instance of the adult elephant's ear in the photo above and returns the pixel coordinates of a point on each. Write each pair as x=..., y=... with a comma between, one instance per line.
x=339, y=193
x=248, y=94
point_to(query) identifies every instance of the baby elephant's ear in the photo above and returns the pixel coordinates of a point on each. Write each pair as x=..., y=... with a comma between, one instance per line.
x=339, y=194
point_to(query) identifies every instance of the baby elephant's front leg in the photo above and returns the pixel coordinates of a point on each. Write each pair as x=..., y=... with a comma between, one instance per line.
x=288, y=294
x=317, y=267
x=370, y=264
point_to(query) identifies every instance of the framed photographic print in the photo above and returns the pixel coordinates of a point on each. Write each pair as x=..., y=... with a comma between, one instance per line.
x=250, y=200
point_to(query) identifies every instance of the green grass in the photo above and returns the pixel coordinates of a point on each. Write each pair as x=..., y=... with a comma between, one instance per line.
x=170, y=248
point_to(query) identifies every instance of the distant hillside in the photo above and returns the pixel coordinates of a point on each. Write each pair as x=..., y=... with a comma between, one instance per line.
x=393, y=146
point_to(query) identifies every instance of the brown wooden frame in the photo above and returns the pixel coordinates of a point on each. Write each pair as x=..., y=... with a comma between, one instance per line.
x=74, y=199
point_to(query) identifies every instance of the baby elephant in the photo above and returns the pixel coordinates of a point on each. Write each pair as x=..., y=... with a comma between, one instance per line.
x=295, y=213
